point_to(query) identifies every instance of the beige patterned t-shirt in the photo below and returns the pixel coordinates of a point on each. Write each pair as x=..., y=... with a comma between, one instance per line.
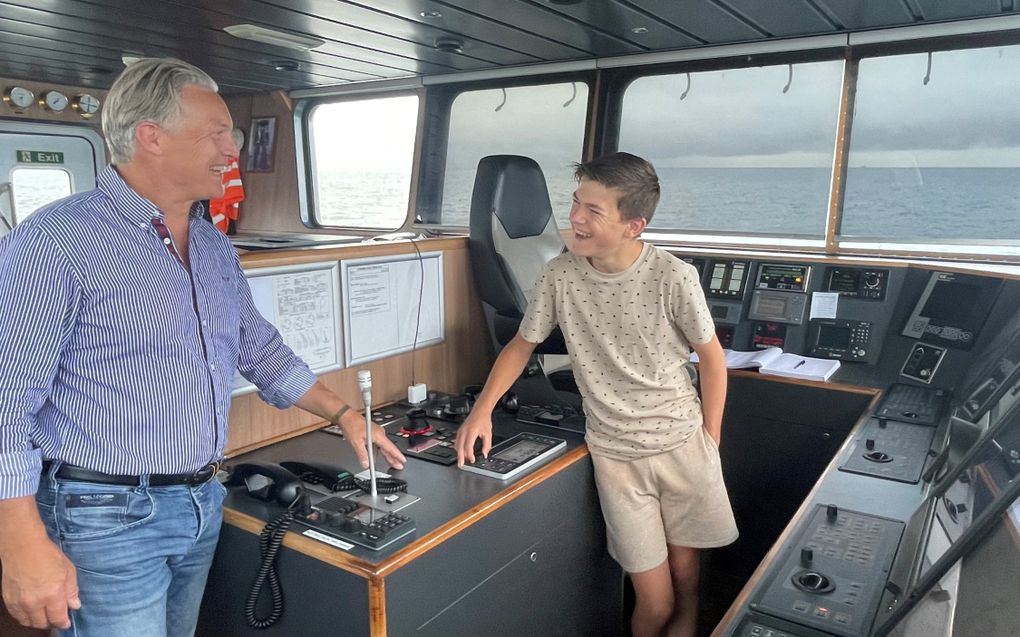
x=629, y=336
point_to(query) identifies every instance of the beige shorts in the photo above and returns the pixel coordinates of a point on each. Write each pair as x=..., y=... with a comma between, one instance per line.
x=677, y=498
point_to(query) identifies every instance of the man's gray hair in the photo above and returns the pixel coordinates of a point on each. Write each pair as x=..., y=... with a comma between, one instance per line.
x=148, y=90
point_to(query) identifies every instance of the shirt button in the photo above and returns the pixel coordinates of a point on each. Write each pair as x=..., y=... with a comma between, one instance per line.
x=167, y=241
x=205, y=322
x=142, y=226
x=212, y=367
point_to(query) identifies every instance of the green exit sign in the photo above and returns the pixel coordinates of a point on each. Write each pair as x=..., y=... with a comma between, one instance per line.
x=39, y=157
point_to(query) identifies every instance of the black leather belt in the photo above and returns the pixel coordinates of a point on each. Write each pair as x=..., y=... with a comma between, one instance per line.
x=78, y=474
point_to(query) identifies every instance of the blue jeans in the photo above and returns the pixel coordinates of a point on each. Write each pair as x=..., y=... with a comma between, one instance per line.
x=142, y=553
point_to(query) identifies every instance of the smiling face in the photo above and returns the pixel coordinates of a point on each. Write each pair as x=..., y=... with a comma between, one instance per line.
x=197, y=149
x=601, y=235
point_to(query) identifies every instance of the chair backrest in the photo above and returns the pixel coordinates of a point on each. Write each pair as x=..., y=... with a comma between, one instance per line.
x=513, y=234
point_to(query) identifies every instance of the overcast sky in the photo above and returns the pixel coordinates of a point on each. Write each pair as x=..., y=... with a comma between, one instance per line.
x=967, y=115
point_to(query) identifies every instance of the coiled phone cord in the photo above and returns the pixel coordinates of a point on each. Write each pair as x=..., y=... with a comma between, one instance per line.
x=269, y=546
x=346, y=481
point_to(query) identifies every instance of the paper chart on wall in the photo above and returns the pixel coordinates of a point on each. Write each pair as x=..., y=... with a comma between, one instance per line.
x=386, y=299
x=302, y=302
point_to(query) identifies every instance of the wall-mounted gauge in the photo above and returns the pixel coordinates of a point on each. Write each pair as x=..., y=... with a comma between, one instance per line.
x=85, y=105
x=53, y=101
x=18, y=97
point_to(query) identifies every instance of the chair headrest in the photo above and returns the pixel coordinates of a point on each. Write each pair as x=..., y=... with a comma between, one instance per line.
x=512, y=188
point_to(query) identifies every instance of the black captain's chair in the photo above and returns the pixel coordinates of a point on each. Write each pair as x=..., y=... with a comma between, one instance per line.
x=513, y=234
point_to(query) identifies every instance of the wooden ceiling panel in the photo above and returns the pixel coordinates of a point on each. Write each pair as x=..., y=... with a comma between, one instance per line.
x=628, y=23
x=455, y=22
x=784, y=19
x=80, y=42
x=705, y=19
x=854, y=14
x=541, y=19
x=955, y=9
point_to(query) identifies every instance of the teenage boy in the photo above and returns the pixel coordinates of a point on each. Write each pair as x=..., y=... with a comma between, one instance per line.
x=630, y=314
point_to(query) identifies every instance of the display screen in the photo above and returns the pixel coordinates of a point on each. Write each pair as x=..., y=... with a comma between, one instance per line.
x=844, y=280
x=952, y=303
x=833, y=337
x=727, y=279
x=953, y=309
x=772, y=276
x=771, y=306
x=521, y=452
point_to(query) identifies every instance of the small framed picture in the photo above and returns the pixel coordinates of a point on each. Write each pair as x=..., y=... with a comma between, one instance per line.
x=261, y=145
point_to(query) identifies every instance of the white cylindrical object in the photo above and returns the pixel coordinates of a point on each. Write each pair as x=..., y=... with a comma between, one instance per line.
x=365, y=385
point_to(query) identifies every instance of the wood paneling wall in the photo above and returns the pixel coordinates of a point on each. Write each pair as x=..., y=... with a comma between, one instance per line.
x=463, y=358
x=271, y=198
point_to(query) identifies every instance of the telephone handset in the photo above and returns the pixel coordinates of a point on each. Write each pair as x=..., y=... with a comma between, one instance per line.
x=332, y=477
x=339, y=479
x=267, y=481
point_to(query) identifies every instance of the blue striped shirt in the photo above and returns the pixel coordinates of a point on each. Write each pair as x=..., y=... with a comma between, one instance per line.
x=114, y=356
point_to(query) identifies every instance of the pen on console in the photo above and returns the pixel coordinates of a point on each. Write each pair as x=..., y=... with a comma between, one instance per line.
x=799, y=364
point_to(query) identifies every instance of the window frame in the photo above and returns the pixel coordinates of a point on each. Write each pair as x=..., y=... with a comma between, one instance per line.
x=613, y=83
x=439, y=104
x=306, y=175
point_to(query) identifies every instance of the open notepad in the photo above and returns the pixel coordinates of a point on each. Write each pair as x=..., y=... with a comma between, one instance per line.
x=774, y=361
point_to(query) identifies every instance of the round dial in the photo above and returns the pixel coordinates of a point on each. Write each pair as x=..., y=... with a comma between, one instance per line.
x=18, y=97
x=54, y=101
x=85, y=105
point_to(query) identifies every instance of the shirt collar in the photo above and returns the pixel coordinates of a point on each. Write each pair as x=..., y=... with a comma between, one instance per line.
x=129, y=203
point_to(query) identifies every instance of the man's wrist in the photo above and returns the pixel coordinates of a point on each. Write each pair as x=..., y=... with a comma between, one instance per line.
x=335, y=418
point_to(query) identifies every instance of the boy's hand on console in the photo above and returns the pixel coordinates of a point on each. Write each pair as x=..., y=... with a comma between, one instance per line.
x=476, y=427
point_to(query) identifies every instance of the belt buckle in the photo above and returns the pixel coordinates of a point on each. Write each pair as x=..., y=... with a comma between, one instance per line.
x=205, y=474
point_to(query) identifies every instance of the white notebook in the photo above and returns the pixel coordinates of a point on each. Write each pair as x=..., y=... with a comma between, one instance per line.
x=774, y=361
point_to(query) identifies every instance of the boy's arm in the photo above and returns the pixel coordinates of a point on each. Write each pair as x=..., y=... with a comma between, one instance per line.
x=712, y=372
x=508, y=366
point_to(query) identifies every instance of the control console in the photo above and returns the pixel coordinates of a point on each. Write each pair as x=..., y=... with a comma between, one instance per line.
x=833, y=573
x=840, y=338
x=891, y=450
x=350, y=521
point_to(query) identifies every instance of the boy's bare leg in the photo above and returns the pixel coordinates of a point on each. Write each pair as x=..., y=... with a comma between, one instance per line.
x=653, y=601
x=684, y=565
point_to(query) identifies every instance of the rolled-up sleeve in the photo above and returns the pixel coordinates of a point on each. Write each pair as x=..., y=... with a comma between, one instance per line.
x=264, y=359
x=39, y=298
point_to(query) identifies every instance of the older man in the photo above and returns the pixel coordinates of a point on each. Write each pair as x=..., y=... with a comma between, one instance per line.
x=123, y=317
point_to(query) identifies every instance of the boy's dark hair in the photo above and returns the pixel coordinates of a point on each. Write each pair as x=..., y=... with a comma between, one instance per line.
x=633, y=176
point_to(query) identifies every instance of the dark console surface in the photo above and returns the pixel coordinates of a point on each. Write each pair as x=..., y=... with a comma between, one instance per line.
x=832, y=573
x=445, y=491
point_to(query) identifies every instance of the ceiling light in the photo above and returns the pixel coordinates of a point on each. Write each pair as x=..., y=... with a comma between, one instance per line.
x=128, y=60
x=430, y=13
x=450, y=45
x=639, y=30
x=286, y=65
x=276, y=38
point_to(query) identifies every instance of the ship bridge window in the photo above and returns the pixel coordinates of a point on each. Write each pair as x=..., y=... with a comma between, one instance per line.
x=35, y=187
x=745, y=151
x=545, y=122
x=362, y=153
x=934, y=157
